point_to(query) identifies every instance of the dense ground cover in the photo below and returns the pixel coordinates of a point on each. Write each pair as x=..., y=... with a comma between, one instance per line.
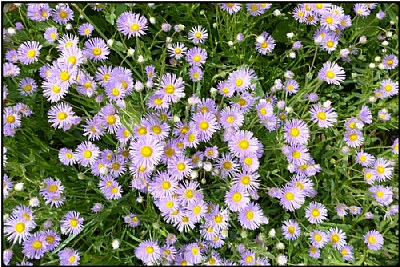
x=248, y=134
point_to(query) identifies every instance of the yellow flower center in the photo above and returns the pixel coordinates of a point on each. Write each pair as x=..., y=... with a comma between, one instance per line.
x=388, y=88
x=189, y=193
x=10, y=118
x=203, y=125
x=330, y=45
x=63, y=14
x=363, y=158
x=291, y=229
x=20, y=227
x=237, y=197
x=242, y=102
x=319, y=5
x=73, y=222
x=353, y=137
x=191, y=137
x=158, y=101
x=31, y=53
x=56, y=89
x=169, y=204
x=263, y=111
x=115, y=91
x=294, y=132
x=296, y=154
x=87, y=154
x=380, y=194
x=50, y=239
x=64, y=76
x=330, y=74
x=249, y=259
x=290, y=87
x=344, y=252
x=96, y=51
x=248, y=161
x=197, y=34
x=146, y=151
x=335, y=238
x=225, y=90
x=389, y=62
x=126, y=133
x=300, y=14
x=289, y=196
x=142, y=130
x=249, y=215
x=178, y=50
x=315, y=212
x=243, y=144
x=368, y=175
x=149, y=250
x=329, y=20
x=53, y=188
x=72, y=60
x=37, y=244
x=317, y=237
x=196, y=210
x=62, y=116
x=227, y=165
x=218, y=219
x=245, y=180
x=300, y=185
x=28, y=88
x=371, y=239
x=197, y=58
x=180, y=166
x=115, y=166
x=195, y=251
x=156, y=129
x=170, y=89
x=135, y=27
x=111, y=119
x=254, y=7
x=114, y=190
x=238, y=82
x=69, y=155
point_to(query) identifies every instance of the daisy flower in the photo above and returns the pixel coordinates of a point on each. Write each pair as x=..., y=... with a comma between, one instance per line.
x=240, y=79
x=68, y=40
x=51, y=34
x=72, y=56
x=347, y=252
x=225, y=89
x=242, y=143
x=62, y=116
x=297, y=154
x=390, y=62
x=395, y=146
x=7, y=185
x=132, y=24
x=305, y=184
x=316, y=213
x=291, y=86
x=52, y=239
x=267, y=44
x=196, y=56
x=318, y=238
x=331, y=73
x=10, y=70
x=354, y=138
x=236, y=198
x=231, y=116
x=96, y=49
x=230, y=7
x=341, y=209
x=146, y=151
x=330, y=20
x=193, y=253
x=54, y=91
x=196, y=210
x=195, y=73
x=291, y=198
x=177, y=50
x=255, y=9
x=389, y=88
x=354, y=210
x=205, y=124
x=7, y=255
x=198, y=35
x=188, y=193
x=314, y=252
x=337, y=237
x=171, y=87
x=11, y=118
x=369, y=175
x=296, y=132
x=364, y=159
x=179, y=167
x=245, y=102
x=251, y=217
x=86, y=29
x=17, y=229
x=69, y=256
x=35, y=246
x=29, y=52
x=365, y=115
x=149, y=252
x=72, y=223
x=227, y=165
x=382, y=195
x=291, y=230
x=374, y=240
x=62, y=14
x=246, y=180
x=264, y=110
x=86, y=153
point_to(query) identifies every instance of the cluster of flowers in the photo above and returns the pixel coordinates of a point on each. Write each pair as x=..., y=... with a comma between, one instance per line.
x=165, y=155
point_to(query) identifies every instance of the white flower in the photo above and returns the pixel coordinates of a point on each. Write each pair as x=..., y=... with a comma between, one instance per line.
x=327, y=104
x=11, y=31
x=381, y=66
x=68, y=26
x=131, y=51
x=115, y=244
x=377, y=59
x=140, y=59
x=19, y=186
x=290, y=35
x=363, y=39
x=277, y=12
x=385, y=43
x=372, y=99
x=152, y=20
x=207, y=166
x=176, y=118
x=194, y=174
x=34, y=202
x=281, y=259
x=280, y=246
x=139, y=86
x=271, y=232
x=372, y=65
x=230, y=43
x=389, y=34
x=292, y=54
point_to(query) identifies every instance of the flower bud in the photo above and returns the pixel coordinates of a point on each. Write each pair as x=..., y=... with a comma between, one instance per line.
x=194, y=174
x=176, y=118
x=230, y=43
x=272, y=233
x=19, y=186
x=290, y=35
x=68, y=26
x=34, y=202
x=207, y=166
x=115, y=244
x=131, y=51
x=140, y=59
x=292, y=54
x=139, y=86
x=277, y=12
x=152, y=20
x=280, y=246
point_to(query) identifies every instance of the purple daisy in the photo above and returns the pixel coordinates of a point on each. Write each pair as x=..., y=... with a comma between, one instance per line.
x=231, y=117
x=354, y=138
x=177, y=50
x=331, y=73
x=251, y=217
x=196, y=56
x=51, y=34
x=237, y=198
x=242, y=144
x=69, y=256
x=62, y=116
x=227, y=165
x=296, y=132
x=52, y=239
x=240, y=79
x=85, y=29
x=365, y=114
x=337, y=237
x=205, y=124
x=149, y=252
x=291, y=230
x=171, y=87
x=10, y=70
x=87, y=153
x=132, y=24
x=35, y=246
x=374, y=240
x=390, y=62
x=316, y=213
x=198, y=35
x=267, y=44
x=318, y=238
x=96, y=49
x=179, y=167
x=62, y=14
x=72, y=223
x=364, y=159
x=382, y=195
x=291, y=198
x=195, y=73
x=231, y=7
x=29, y=52
x=146, y=151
